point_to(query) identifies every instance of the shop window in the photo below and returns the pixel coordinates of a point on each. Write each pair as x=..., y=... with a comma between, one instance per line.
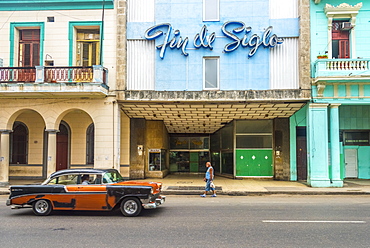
x=29, y=47
x=211, y=73
x=156, y=159
x=90, y=133
x=211, y=10
x=19, y=144
x=356, y=138
x=88, y=47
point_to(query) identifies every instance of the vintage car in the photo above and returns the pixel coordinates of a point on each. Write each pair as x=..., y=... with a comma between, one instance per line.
x=87, y=189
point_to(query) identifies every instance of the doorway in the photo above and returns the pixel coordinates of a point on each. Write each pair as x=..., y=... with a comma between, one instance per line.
x=350, y=159
x=62, y=147
x=301, y=152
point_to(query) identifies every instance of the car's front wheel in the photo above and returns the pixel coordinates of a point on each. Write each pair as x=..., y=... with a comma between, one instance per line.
x=42, y=207
x=130, y=207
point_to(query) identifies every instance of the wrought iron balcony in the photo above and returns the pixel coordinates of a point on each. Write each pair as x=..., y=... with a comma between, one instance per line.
x=341, y=68
x=66, y=81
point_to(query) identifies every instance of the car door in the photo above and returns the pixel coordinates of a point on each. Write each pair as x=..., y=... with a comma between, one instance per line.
x=92, y=196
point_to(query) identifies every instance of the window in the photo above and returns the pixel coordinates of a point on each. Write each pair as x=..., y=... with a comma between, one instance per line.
x=340, y=40
x=356, y=138
x=88, y=47
x=19, y=144
x=211, y=73
x=211, y=10
x=343, y=38
x=29, y=47
x=90, y=144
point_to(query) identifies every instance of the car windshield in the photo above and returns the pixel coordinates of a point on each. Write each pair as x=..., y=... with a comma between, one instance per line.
x=112, y=177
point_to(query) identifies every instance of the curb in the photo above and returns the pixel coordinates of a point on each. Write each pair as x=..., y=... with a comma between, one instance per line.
x=260, y=193
x=249, y=193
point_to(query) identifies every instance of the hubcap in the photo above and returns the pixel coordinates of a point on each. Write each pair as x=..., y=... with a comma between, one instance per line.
x=42, y=206
x=130, y=207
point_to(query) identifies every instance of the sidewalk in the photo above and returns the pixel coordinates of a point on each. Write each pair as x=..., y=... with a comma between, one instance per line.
x=177, y=184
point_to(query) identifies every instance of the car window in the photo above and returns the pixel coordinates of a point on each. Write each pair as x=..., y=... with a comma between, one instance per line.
x=112, y=177
x=64, y=180
x=87, y=179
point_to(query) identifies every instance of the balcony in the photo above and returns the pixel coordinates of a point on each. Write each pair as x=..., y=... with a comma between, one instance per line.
x=40, y=81
x=341, y=69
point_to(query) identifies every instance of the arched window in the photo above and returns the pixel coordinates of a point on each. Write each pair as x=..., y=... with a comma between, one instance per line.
x=90, y=132
x=19, y=144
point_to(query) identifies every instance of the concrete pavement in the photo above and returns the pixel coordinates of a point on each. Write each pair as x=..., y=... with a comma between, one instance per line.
x=192, y=184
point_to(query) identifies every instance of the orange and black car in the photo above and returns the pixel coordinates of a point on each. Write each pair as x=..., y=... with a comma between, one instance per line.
x=87, y=189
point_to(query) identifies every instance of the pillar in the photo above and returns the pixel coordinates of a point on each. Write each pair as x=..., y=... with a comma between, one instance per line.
x=52, y=151
x=4, y=157
x=317, y=145
x=336, y=181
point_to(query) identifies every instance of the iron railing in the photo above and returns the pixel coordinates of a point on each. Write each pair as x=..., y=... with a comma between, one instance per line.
x=54, y=74
x=17, y=74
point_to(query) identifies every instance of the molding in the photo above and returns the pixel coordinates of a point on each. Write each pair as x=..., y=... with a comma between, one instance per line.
x=5, y=131
x=342, y=8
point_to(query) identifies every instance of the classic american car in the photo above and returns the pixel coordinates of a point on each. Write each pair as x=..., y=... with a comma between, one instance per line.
x=87, y=189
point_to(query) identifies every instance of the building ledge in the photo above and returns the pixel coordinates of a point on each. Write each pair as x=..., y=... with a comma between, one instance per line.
x=211, y=96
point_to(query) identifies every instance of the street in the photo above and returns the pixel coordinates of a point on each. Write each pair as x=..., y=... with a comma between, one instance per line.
x=192, y=221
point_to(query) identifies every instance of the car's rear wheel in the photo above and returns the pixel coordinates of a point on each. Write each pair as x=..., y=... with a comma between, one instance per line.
x=42, y=207
x=131, y=207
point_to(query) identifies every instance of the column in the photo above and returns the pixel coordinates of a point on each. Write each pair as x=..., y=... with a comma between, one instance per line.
x=317, y=145
x=334, y=146
x=52, y=151
x=4, y=157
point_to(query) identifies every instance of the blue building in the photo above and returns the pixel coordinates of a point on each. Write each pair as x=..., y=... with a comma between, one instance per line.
x=214, y=80
x=337, y=119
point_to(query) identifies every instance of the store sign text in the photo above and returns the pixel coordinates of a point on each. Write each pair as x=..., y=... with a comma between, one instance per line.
x=202, y=39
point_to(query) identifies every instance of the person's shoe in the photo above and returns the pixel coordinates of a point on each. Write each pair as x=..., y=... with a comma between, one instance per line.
x=214, y=195
x=203, y=195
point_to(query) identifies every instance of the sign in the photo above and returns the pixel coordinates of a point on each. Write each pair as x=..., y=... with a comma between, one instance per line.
x=238, y=32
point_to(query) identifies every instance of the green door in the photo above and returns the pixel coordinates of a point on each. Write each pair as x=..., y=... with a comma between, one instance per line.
x=194, y=161
x=254, y=163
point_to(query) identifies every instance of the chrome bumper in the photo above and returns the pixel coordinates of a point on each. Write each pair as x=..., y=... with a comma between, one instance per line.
x=159, y=201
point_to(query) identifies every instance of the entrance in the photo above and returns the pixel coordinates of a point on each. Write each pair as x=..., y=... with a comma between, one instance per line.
x=188, y=161
x=350, y=157
x=301, y=151
x=62, y=148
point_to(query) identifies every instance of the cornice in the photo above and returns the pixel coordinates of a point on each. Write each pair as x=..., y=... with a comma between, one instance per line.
x=344, y=7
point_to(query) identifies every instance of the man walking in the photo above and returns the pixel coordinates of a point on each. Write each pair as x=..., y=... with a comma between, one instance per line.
x=208, y=179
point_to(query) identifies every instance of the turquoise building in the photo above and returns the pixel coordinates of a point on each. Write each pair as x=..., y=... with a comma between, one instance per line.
x=331, y=133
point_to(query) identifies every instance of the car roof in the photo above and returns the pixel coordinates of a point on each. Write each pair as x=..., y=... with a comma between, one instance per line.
x=81, y=171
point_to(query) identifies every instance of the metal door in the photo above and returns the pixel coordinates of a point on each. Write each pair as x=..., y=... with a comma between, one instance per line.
x=301, y=158
x=350, y=157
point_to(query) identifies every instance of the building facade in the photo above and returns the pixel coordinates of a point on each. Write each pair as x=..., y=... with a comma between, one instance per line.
x=337, y=118
x=57, y=84
x=214, y=80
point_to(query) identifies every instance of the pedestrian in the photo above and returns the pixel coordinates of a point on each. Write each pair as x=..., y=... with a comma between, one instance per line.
x=209, y=179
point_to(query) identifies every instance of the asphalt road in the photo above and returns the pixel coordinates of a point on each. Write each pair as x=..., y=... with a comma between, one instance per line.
x=192, y=221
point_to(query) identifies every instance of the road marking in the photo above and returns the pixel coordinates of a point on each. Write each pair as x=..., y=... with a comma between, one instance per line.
x=315, y=221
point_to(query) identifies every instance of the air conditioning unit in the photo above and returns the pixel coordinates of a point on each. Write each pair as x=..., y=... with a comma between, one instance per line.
x=346, y=26
x=1, y=62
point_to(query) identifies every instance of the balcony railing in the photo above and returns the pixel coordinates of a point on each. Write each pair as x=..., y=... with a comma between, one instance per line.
x=41, y=74
x=17, y=74
x=341, y=67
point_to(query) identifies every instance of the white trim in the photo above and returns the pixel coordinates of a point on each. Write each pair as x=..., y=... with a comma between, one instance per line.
x=342, y=11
